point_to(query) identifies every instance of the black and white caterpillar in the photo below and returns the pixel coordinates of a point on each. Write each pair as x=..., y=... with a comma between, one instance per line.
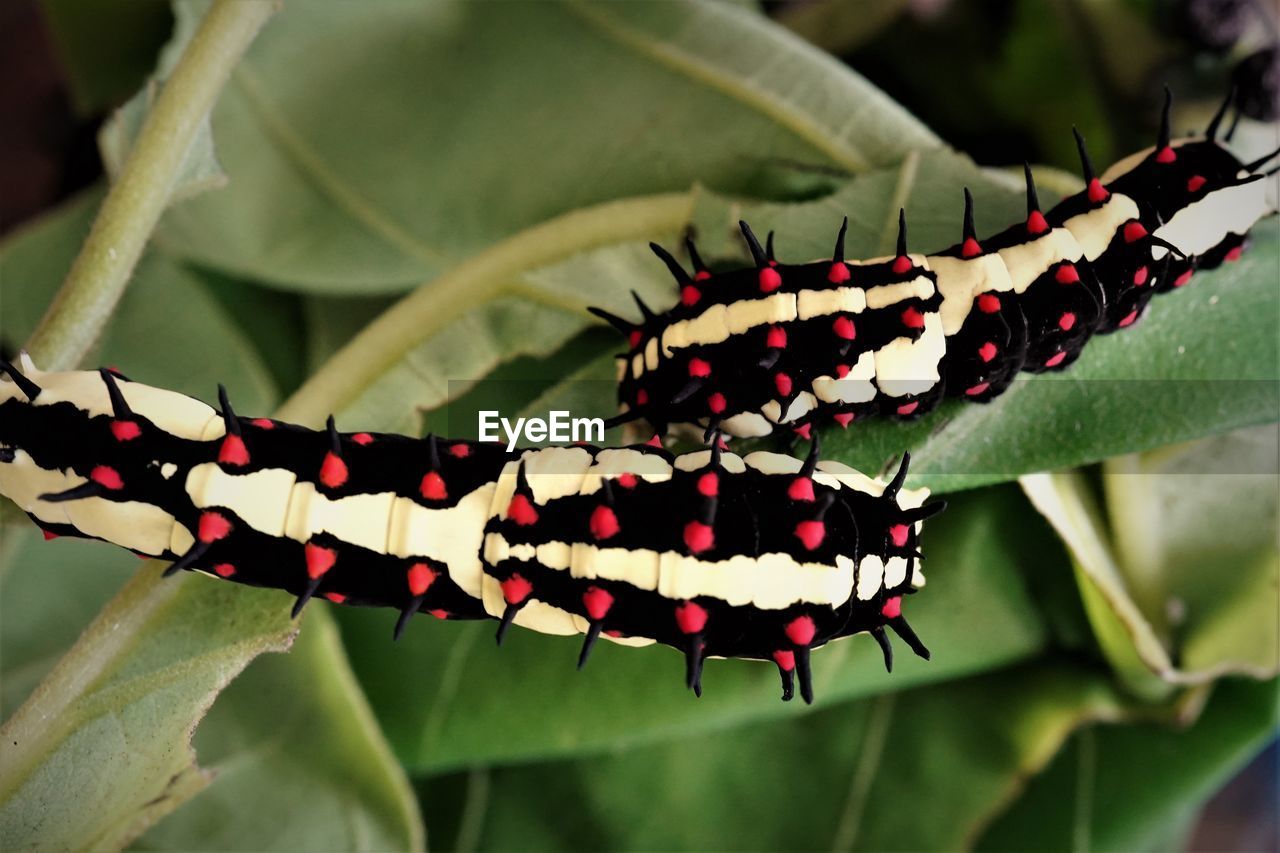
x=763, y=557
x=781, y=345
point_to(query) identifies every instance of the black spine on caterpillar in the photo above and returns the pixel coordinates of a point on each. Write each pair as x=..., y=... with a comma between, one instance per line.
x=788, y=345
x=764, y=557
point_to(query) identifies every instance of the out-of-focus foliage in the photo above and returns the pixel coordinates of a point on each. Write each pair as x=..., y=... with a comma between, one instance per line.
x=1097, y=671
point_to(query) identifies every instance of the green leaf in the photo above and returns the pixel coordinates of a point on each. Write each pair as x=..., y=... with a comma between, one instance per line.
x=487, y=122
x=1195, y=529
x=918, y=770
x=200, y=170
x=48, y=593
x=449, y=698
x=1120, y=787
x=297, y=762
x=1187, y=593
x=124, y=702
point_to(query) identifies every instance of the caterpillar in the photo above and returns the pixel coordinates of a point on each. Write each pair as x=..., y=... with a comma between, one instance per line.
x=764, y=557
x=769, y=346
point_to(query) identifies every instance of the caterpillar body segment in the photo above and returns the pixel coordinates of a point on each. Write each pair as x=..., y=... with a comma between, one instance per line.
x=786, y=346
x=716, y=555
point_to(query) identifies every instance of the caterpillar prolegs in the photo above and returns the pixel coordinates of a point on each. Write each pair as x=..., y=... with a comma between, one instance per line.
x=716, y=555
x=773, y=345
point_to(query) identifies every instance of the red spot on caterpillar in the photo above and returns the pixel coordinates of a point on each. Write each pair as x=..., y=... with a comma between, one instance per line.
x=642, y=397
x=811, y=533
x=844, y=419
x=842, y=370
x=782, y=382
x=420, y=577
x=432, y=487
x=224, y=570
x=898, y=535
x=656, y=441
x=709, y=485
x=614, y=634
x=689, y=295
x=912, y=318
x=634, y=338
x=988, y=303
x=319, y=559
x=987, y=351
x=233, y=451
x=1036, y=223
x=839, y=273
x=690, y=617
x=125, y=430
x=777, y=338
x=971, y=248
x=1067, y=321
x=805, y=431
x=716, y=403
x=439, y=614
x=516, y=589
x=1134, y=231
x=596, y=602
x=1182, y=280
x=1166, y=155
x=333, y=471
x=335, y=597
x=698, y=537
x=699, y=367
x=1055, y=359
x=1097, y=192
x=769, y=280
x=1195, y=183
x=844, y=329
x=785, y=659
x=801, y=630
x=701, y=275
x=362, y=438
x=902, y=265
x=263, y=423
x=975, y=390
x=1233, y=255
x=603, y=522
x=107, y=477
x=460, y=450
x=521, y=511
x=1140, y=277
x=801, y=489
x=1128, y=319
x=892, y=608
x=907, y=408
x=212, y=527
x=49, y=534
x=1067, y=274
x=627, y=480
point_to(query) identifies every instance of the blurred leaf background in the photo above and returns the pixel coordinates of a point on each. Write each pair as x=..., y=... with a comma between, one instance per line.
x=1105, y=636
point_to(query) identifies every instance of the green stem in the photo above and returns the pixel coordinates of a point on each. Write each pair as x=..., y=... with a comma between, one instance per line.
x=133, y=206
x=492, y=273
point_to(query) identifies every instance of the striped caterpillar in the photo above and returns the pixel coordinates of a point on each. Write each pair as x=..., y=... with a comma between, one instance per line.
x=763, y=557
x=780, y=345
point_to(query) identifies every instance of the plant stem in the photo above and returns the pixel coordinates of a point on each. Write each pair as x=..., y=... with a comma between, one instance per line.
x=131, y=209
x=490, y=274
